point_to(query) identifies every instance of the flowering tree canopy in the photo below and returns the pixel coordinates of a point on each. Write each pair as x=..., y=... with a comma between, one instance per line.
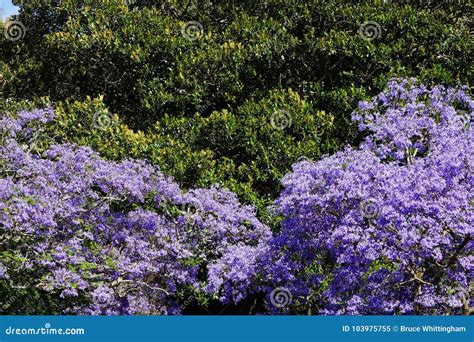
x=107, y=237
x=383, y=229
x=386, y=228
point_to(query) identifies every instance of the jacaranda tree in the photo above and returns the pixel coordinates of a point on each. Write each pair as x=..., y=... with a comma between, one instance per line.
x=386, y=228
x=79, y=234
x=382, y=229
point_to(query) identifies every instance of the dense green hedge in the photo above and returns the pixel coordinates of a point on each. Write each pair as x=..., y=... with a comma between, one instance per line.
x=203, y=109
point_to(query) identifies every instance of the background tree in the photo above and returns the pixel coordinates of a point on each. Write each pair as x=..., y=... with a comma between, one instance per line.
x=205, y=80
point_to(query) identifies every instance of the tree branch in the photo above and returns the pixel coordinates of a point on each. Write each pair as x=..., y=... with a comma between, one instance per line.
x=451, y=260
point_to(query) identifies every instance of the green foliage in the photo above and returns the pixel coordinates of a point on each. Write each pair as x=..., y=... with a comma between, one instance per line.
x=138, y=58
x=209, y=110
x=202, y=108
x=196, y=150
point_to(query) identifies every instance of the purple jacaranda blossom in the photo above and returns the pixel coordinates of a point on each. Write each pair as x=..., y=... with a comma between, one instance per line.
x=113, y=237
x=386, y=228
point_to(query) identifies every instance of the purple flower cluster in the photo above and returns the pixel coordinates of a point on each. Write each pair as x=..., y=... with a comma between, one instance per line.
x=109, y=237
x=383, y=229
x=386, y=228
